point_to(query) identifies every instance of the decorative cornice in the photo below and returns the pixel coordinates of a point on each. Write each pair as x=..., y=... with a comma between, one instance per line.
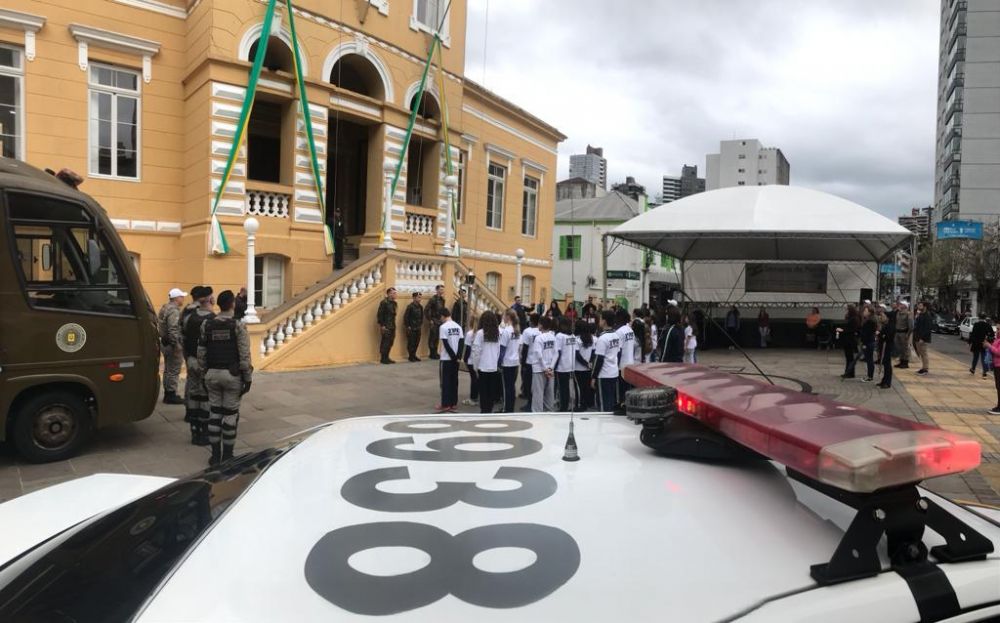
x=28, y=22
x=89, y=36
x=157, y=7
x=500, y=151
x=510, y=130
x=531, y=164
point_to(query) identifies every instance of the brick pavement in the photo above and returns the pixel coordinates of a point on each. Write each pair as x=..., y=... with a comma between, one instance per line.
x=282, y=404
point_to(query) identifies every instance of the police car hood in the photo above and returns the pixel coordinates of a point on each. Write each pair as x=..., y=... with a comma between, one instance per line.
x=619, y=535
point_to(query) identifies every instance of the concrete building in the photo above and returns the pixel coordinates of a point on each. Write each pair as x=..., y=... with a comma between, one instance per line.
x=967, y=180
x=745, y=162
x=919, y=222
x=142, y=98
x=577, y=268
x=591, y=166
x=687, y=184
x=631, y=188
x=578, y=188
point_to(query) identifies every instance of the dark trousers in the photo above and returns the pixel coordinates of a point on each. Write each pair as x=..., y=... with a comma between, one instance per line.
x=607, y=394
x=886, y=365
x=623, y=387
x=489, y=385
x=526, y=373
x=449, y=383
x=473, y=384
x=996, y=383
x=585, y=395
x=563, y=382
x=867, y=351
x=412, y=341
x=979, y=354
x=388, y=337
x=509, y=382
x=433, y=339
x=850, y=350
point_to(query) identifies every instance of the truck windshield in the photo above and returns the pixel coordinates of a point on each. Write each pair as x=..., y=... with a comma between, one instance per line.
x=65, y=261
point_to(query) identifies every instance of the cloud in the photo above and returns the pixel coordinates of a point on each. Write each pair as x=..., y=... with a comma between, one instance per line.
x=846, y=89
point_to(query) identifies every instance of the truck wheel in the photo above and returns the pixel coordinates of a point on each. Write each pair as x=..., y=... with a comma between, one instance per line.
x=51, y=426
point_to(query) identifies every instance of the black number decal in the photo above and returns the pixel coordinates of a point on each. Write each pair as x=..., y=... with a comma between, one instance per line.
x=419, y=427
x=361, y=491
x=447, y=449
x=450, y=570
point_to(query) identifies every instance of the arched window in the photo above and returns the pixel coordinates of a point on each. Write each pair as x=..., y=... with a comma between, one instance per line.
x=429, y=107
x=278, y=55
x=357, y=74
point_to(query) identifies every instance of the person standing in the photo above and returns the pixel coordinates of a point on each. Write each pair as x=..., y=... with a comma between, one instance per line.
x=510, y=343
x=433, y=313
x=197, y=412
x=581, y=365
x=922, y=336
x=733, y=326
x=982, y=331
x=848, y=335
x=869, y=328
x=460, y=310
x=886, y=339
x=489, y=353
x=527, y=358
x=604, y=378
x=169, y=326
x=566, y=345
x=386, y=319
x=543, y=367
x=672, y=350
x=764, y=327
x=570, y=312
x=904, y=327
x=690, y=341
x=240, y=309
x=224, y=356
x=471, y=359
x=994, y=349
x=413, y=320
x=641, y=346
x=452, y=345
x=626, y=340
x=522, y=314
x=554, y=312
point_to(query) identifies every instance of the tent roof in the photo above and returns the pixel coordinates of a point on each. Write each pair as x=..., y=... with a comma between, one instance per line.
x=765, y=223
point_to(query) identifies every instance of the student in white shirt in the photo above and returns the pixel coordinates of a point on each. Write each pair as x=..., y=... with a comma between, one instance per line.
x=527, y=340
x=581, y=365
x=544, y=359
x=469, y=357
x=452, y=345
x=690, y=341
x=510, y=342
x=488, y=353
x=626, y=337
x=605, y=375
x=566, y=344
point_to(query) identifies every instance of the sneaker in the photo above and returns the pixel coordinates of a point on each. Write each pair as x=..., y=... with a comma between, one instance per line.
x=903, y=365
x=468, y=402
x=451, y=409
x=884, y=386
x=994, y=411
x=984, y=375
x=922, y=372
x=867, y=379
x=434, y=356
x=172, y=399
x=440, y=409
x=972, y=370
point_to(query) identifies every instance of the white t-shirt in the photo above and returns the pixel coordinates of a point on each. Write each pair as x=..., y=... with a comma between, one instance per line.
x=567, y=345
x=470, y=339
x=690, y=341
x=545, y=352
x=527, y=339
x=626, y=337
x=451, y=332
x=511, y=356
x=487, y=354
x=608, y=345
x=585, y=352
x=654, y=333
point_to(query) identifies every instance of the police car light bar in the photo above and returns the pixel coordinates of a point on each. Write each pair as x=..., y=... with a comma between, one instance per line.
x=849, y=448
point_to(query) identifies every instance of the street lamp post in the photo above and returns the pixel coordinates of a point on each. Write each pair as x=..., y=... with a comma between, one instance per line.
x=251, y=225
x=519, y=254
x=450, y=246
x=389, y=168
x=470, y=281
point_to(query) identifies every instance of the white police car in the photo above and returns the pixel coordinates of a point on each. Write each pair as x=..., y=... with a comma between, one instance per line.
x=719, y=499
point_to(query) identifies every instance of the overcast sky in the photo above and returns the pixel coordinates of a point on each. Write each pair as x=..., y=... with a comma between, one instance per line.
x=845, y=88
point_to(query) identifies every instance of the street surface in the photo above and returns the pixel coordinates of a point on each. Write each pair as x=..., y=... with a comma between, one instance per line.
x=282, y=404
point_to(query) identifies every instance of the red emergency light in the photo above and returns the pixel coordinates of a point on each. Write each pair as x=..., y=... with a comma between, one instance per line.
x=847, y=447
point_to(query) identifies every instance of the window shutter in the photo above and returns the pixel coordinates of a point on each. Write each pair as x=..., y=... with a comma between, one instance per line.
x=562, y=246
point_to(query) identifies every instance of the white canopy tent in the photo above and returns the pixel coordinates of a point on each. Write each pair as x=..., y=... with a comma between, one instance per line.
x=767, y=224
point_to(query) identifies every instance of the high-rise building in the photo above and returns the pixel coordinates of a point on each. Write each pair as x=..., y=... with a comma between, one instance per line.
x=687, y=184
x=967, y=180
x=591, y=166
x=745, y=162
x=919, y=222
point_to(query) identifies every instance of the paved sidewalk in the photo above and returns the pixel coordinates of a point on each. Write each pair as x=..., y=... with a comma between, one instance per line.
x=282, y=404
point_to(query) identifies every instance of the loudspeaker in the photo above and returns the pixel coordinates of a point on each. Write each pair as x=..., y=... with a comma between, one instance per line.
x=866, y=295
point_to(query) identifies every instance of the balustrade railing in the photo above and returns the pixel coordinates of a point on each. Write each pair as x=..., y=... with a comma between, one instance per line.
x=267, y=203
x=418, y=275
x=419, y=224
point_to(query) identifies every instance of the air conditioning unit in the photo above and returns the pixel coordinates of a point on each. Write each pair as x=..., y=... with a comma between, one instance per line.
x=591, y=281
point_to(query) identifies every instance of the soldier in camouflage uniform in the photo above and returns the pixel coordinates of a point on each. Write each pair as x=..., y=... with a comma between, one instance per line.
x=386, y=319
x=224, y=357
x=169, y=326
x=195, y=393
x=413, y=320
x=433, y=314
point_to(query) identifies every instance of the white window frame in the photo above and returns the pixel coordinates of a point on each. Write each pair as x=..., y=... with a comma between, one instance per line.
x=461, y=169
x=528, y=293
x=493, y=282
x=115, y=92
x=527, y=193
x=266, y=260
x=493, y=179
x=416, y=24
x=18, y=74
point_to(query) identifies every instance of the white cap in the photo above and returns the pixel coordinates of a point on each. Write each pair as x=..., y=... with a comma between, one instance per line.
x=904, y=304
x=867, y=302
x=672, y=302
x=883, y=306
x=175, y=292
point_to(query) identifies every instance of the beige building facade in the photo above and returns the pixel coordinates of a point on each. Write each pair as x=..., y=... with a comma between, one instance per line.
x=142, y=98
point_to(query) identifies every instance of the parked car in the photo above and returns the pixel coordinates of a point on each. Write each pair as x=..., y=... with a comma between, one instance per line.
x=944, y=323
x=965, y=328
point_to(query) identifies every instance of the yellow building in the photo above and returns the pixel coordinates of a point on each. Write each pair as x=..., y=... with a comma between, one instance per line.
x=141, y=97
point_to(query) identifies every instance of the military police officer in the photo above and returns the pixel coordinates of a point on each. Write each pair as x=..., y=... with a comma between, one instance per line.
x=224, y=357
x=413, y=320
x=168, y=324
x=195, y=392
x=433, y=313
x=386, y=319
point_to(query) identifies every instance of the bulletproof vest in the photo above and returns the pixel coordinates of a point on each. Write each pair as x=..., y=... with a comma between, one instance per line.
x=221, y=350
x=192, y=331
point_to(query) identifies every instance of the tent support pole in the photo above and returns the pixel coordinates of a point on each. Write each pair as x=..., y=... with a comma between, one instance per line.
x=604, y=267
x=683, y=283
